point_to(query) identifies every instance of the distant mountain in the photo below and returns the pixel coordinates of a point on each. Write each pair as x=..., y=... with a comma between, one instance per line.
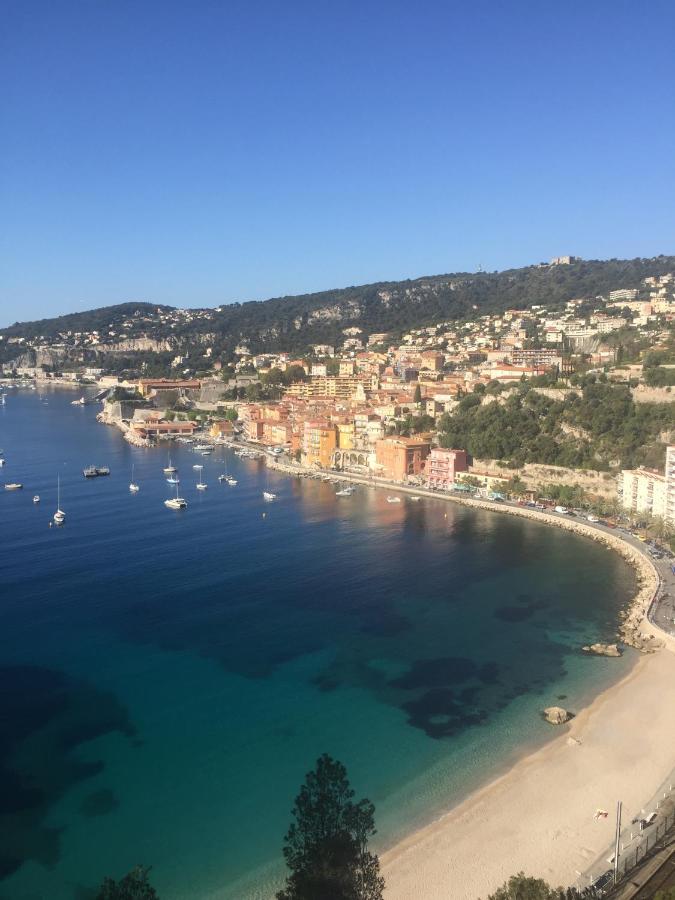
x=293, y=323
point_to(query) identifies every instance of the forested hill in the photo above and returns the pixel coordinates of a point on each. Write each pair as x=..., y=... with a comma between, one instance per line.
x=292, y=323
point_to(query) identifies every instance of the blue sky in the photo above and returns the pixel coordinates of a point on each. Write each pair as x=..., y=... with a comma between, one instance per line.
x=195, y=153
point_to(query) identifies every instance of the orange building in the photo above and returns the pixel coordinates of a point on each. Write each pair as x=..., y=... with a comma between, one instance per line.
x=318, y=443
x=399, y=457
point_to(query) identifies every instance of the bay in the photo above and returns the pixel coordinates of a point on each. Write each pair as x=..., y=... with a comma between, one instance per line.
x=167, y=678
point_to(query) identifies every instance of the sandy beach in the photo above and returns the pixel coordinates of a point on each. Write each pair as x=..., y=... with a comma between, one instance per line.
x=539, y=816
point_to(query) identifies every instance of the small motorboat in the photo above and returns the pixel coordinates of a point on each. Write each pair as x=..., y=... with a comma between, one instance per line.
x=392, y=499
x=13, y=486
x=269, y=496
x=345, y=492
x=231, y=481
x=36, y=498
x=173, y=479
x=198, y=466
x=222, y=478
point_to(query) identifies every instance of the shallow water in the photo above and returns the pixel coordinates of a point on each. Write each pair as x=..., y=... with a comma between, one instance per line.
x=169, y=677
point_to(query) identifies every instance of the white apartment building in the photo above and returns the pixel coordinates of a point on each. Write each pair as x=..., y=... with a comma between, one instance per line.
x=624, y=294
x=644, y=491
x=669, y=515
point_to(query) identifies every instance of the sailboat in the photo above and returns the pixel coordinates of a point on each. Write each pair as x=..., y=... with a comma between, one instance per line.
x=268, y=495
x=59, y=515
x=169, y=469
x=201, y=485
x=176, y=502
x=227, y=477
x=133, y=487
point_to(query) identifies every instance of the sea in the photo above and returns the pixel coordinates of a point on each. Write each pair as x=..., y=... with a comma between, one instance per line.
x=168, y=677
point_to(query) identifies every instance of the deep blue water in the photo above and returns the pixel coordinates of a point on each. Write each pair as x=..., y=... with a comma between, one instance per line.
x=167, y=678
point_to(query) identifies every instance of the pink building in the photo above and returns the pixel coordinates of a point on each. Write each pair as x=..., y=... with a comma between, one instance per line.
x=442, y=464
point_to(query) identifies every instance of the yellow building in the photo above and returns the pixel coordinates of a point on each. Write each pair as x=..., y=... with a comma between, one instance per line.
x=346, y=435
x=318, y=443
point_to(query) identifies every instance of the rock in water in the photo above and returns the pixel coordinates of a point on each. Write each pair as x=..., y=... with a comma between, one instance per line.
x=603, y=649
x=556, y=715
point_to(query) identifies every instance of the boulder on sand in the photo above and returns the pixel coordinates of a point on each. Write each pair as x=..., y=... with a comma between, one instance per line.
x=603, y=649
x=556, y=715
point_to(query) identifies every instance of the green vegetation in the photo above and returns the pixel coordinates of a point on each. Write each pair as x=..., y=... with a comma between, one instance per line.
x=412, y=425
x=134, y=886
x=522, y=887
x=667, y=894
x=326, y=846
x=657, y=369
x=294, y=323
x=598, y=428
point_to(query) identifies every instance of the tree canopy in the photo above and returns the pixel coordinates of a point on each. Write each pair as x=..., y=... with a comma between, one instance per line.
x=326, y=846
x=523, y=887
x=134, y=886
x=595, y=428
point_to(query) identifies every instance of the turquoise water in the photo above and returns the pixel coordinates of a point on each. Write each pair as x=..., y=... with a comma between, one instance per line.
x=168, y=678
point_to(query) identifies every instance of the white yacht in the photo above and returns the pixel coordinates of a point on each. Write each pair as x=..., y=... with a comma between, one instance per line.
x=59, y=515
x=176, y=502
x=269, y=496
x=133, y=487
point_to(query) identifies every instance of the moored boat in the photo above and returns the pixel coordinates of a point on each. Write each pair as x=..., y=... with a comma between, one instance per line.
x=59, y=515
x=176, y=502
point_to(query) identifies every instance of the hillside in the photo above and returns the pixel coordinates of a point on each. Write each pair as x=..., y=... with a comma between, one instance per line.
x=293, y=323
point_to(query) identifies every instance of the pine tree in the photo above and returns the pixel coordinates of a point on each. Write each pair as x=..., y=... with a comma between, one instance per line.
x=326, y=846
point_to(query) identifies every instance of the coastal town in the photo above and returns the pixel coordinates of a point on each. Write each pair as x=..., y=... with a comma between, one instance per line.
x=374, y=406
x=559, y=388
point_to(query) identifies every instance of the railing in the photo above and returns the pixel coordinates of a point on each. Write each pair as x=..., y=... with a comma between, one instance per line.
x=636, y=841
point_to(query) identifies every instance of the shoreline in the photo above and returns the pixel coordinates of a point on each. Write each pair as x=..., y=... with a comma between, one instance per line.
x=538, y=817
x=633, y=619
x=589, y=765
x=576, y=771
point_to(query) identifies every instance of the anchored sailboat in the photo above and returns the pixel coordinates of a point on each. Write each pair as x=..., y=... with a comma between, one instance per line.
x=59, y=515
x=133, y=487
